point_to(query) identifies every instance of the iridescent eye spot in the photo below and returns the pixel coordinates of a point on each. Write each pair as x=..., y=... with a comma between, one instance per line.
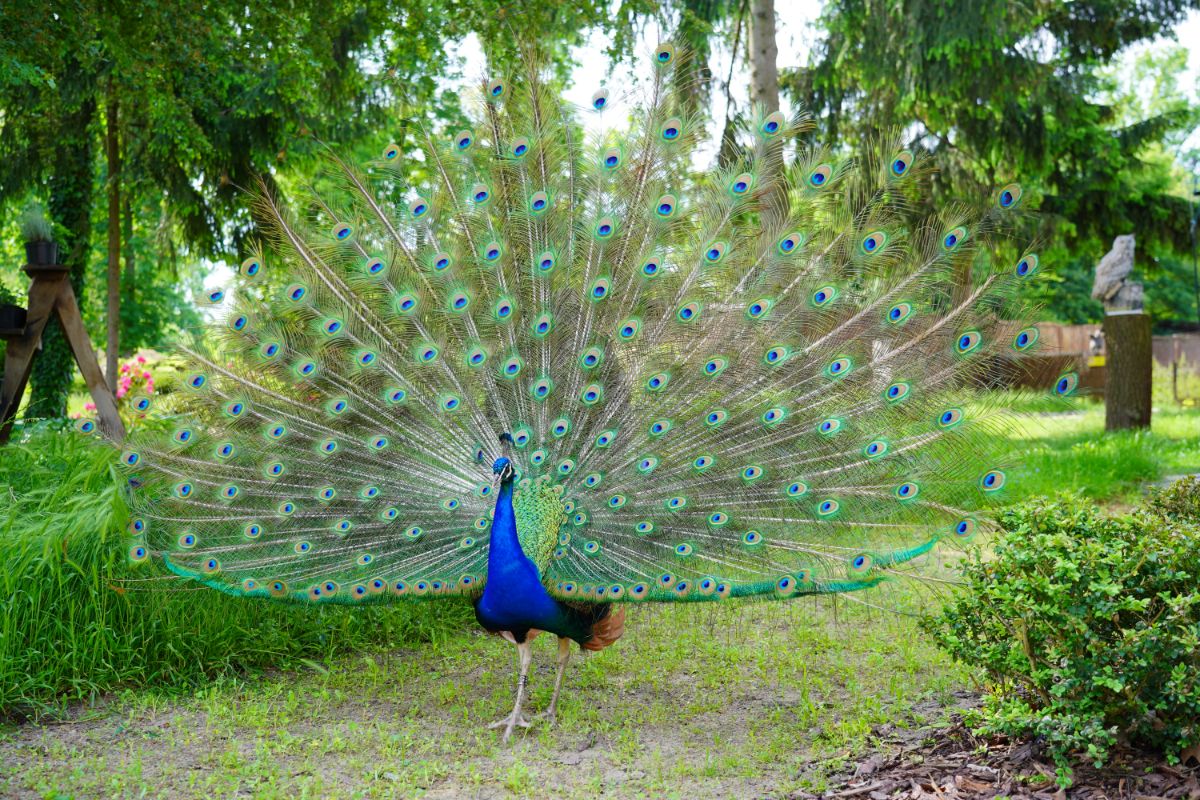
x=651, y=268
x=599, y=289
x=413, y=532
x=644, y=527
x=899, y=313
x=617, y=501
x=1027, y=266
x=797, y=489
x=901, y=163
x=785, y=585
x=820, y=176
x=772, y=124
x=838, y=367
x=683, y=549
x=752, y=473
x=664, y=53
x=715, y=417
x=511, y=368
x=560, y=427
x=391, y=152
x=591, y=357
x=183, y=490
x=302, y=547
x=539, y=202
x=715, y=252
x=827, y=507
x=380, y=442
x=665, y=206
x=366, y=358
x=752, y=538
x=824, y=296
x=715, y=366
x=702, y=463
x=239, y=322
x=1025, y=339
x=520, y=147
x=718, y=519
x=328, y=493
x=688, y=312
x=660, y=427
x=861, y=563
x=611, y=158
x=907, y=491
x=1009, y=196
x=954, y=238
x=389, y=514
x=1066, y=384
x=873, y=242
x=774, y=415
x=546, y=262
x=211, y=565
x=876, y=449
x=896, y=392
x=775, y=356
x=950, y=417
x=86, y=426
x=491, y=252
x=286, y=508
x=187, y=541
x=829, y=426
x=251, y=267
x=462, y=140
x=197, y=381
x=676, y=503
x=671, y=129
x=605, y=439
x=459, y=301
x=647, y=464
x=475, y=357
x=658, y=382
x=741, y=184
x=788, y=244
x=225, y=450
x=968, y=342
x=395, y=396
x=342, y=231
x=216, y=296
x=600, y=99
x=541, y=388
x=229, y=491
x=992, y=480
x=592, y=394
x=329, y=446
x=964, y=527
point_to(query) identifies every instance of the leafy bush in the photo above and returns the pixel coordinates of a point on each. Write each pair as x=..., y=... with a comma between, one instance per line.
x=1088, y=626
x=76, y=619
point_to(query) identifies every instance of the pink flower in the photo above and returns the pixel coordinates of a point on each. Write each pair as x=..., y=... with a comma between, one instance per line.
x=146, y=375
x=89, y=406
x=141, y=359
x=124, y=369
x=121, y=390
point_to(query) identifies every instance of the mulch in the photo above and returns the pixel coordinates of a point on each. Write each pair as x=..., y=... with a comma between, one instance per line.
x=951, y=763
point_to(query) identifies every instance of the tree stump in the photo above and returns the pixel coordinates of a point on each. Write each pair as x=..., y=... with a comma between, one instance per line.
x=1130, y=368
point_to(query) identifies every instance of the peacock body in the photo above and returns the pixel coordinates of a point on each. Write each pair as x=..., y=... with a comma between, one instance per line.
x=560, y=376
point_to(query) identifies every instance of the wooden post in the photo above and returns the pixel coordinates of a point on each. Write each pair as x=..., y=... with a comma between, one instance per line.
x=51, y=293
x=1127, y=394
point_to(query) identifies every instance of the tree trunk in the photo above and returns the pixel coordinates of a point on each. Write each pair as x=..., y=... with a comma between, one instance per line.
x=71, y=207
x=764, y=73
x=113, y=312
x=1129, y=371
x=130, y=278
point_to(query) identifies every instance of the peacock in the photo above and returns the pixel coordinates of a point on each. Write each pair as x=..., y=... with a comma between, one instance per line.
x=562, y=375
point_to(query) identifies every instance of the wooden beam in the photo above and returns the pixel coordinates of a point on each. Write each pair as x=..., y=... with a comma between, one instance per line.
x=85, y=357
x=18, y=357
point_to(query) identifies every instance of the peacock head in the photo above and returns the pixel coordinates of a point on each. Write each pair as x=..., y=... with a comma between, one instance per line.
x=503, y=469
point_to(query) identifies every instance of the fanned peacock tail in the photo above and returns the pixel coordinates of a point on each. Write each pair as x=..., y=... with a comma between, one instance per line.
x=742, y=385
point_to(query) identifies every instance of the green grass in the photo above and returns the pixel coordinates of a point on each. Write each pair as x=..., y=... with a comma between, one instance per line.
x=201, y=695
x=76, y=621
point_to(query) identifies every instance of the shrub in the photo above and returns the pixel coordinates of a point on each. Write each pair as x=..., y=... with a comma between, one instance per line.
x=1088, y=626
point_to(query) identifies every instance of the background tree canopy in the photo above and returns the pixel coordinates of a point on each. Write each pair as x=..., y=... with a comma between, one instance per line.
x=165, y=109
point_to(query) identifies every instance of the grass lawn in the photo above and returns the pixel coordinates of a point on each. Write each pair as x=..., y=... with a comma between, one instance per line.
x=730, y=701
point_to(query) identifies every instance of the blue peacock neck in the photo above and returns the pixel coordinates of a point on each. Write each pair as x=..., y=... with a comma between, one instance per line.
x=504, y=550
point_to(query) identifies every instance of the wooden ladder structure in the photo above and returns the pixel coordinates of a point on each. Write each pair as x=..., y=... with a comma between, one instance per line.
x=50, y=293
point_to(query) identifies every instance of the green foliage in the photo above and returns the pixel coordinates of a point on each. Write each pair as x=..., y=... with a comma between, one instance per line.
x=77, y=619
x=1088, y=626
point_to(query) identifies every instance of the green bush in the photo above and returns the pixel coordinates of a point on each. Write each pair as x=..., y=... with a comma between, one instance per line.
x=76, y=619
x=1088, y=626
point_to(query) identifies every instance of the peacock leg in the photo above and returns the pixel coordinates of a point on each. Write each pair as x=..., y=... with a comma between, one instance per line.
x=525, y=653
x=564, y=655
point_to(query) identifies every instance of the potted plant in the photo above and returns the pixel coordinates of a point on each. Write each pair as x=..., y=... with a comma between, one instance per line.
x=40, y=249
x=12, y=316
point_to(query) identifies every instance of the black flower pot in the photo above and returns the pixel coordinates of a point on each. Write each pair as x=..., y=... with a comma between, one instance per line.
x=12, y=319
x=41, y=254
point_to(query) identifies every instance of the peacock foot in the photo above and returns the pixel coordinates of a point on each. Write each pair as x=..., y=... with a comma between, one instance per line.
x=549, y=717
x=510, y=722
